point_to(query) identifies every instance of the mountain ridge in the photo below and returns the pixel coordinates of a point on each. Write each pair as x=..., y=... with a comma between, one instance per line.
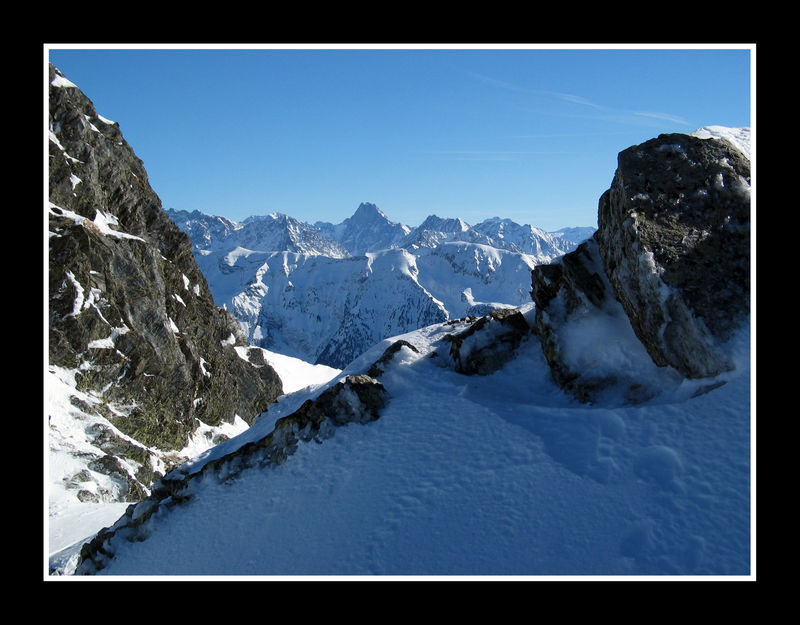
x=288, y=302
x=355, y=228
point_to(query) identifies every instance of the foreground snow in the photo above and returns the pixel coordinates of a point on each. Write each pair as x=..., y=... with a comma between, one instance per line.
x=71, y=522
x=500, y=475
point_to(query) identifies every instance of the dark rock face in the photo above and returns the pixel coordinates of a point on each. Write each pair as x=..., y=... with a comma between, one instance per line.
x=358, y=399
x=674, y=234
x=564, y=292
x=672, y=248
x=129, y=309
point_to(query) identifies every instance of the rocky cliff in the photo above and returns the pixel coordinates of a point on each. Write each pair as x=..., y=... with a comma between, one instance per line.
x=131, y=318
x=670, y=261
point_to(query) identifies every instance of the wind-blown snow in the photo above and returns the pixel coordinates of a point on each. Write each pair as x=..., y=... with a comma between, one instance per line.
x=501, y=475
x=739, y=137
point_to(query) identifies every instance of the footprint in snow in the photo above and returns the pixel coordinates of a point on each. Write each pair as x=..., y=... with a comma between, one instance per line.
x=659, y=465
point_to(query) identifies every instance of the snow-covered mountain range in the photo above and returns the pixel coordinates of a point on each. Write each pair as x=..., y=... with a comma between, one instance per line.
x=327, y=292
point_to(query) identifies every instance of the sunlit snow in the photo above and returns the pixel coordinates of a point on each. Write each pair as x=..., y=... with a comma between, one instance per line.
x=102, y=222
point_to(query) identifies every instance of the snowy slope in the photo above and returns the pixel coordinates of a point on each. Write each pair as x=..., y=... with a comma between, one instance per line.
x=71, y=521
x=316, y=308
x=534, y=242
x=496, y=475
x=473, y=279
x=573, y=236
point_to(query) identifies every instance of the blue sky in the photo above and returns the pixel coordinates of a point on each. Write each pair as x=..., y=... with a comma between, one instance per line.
x=528, y=134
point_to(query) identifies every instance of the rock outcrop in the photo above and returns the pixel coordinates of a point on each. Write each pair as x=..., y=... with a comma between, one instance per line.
x=674, y=234
x=672, y=251
x=489, y=343
x=130, y=313
x=377, y=368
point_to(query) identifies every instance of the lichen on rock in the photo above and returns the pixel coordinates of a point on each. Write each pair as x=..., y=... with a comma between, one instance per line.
x=674, y=234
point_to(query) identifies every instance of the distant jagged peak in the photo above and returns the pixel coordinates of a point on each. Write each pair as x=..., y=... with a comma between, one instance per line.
x=273, y=216
x=499, y=220
x=496, y=225
x=198, y=215
x=368, y=210
x=444, y=224
x=367, y=230
x=576, y=234
x=368, y=213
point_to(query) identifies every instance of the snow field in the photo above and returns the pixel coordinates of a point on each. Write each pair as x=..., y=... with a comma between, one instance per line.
x=500, y=475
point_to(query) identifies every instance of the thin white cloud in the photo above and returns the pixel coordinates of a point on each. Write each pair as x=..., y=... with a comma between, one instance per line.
x=498, y=83
x=552, y=135
x=491, y=155
x=496, y=152
x=665, y=116
x=607, y=113
x=569, y=97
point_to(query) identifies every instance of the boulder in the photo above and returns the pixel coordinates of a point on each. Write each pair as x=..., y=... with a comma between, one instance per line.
x=668, y=265
x=674, y=236
x=378, y=367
